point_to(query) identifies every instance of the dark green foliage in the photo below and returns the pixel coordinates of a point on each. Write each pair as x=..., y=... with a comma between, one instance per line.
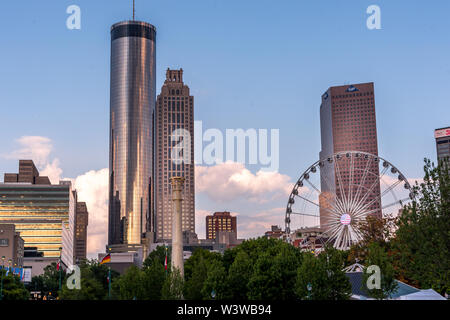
x=239, y=274
x=421, y=248
x=322, y=278
x=160, y=255
x=214, y=286
x=13, y=288
x=377, y=256
x=48, y=282
x=173, y=286
x=94, y=283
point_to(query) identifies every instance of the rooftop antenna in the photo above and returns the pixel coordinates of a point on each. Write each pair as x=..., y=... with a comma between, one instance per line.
x=133, y=10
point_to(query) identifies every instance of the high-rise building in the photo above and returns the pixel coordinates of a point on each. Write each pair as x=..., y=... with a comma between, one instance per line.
x=132, y=103
x=174, y=111
x=442, y=137
x=220, y=221
x=81, y=223
x=42, y=213
x=348, y=123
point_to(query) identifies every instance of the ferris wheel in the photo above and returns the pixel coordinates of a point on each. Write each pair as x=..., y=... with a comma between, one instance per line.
x=335, y=194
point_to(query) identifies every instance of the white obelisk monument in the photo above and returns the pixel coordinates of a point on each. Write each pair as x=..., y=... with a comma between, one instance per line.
x=177, y=235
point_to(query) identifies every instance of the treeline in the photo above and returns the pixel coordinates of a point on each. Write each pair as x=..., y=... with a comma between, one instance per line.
x=414, y=248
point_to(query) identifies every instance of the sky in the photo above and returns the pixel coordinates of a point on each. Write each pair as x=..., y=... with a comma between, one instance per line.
x=249, y=64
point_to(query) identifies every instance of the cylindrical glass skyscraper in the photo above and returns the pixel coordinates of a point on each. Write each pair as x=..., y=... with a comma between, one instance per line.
x=132, y=102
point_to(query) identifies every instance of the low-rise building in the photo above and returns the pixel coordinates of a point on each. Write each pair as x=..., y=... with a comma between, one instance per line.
x=11, y=246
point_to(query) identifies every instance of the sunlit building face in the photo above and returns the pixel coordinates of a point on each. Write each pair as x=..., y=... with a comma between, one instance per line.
x=348, y=123
x=43, y=215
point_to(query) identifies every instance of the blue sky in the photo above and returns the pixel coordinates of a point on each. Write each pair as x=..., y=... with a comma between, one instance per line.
x=249, y=64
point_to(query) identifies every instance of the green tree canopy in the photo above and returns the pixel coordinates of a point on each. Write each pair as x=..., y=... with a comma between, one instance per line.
x=13, y=288
x=377, y=256
x=421, y=248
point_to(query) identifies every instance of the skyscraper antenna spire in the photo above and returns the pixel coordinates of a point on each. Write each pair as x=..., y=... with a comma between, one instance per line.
x=133, y=10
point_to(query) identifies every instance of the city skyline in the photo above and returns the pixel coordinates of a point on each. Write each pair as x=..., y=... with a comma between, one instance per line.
x=404, y=98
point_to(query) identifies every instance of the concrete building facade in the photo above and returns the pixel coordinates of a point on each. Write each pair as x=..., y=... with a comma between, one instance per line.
x=81, y=224
x=348, y=123
x=11, y=245
x=220, y=221
x=174, y=127
x=442, y=137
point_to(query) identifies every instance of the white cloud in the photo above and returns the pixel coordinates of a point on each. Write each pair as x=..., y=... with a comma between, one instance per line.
x=52, y=171
x=230, y=180
x=255, y=224
x=32, y=147
x=92, y=188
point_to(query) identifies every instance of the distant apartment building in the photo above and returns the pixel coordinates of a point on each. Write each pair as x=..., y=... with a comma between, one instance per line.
x=442, y=137
x=174, y=122
x=220, y=221
x=81, y=224
x=43, y=213
x=348, y=123
x=275, y=232
x=11, y=246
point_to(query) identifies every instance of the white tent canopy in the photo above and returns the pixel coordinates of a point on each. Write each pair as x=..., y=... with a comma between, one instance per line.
x=428, y=294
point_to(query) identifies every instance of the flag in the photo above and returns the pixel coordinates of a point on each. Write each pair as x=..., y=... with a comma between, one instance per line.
x=106, y=259
x=57, y=265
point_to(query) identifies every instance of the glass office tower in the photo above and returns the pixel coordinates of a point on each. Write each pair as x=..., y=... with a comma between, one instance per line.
x=132, y=101
x=42, y=213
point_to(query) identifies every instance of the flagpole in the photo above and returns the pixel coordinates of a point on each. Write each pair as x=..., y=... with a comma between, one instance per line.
x=60, y=253
x=1, y=288
x=109, y=283
x=165, y=262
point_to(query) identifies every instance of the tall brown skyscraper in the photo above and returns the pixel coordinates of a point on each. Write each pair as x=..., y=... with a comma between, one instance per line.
x=174, y=110
x=348, y=123
x=81, y=223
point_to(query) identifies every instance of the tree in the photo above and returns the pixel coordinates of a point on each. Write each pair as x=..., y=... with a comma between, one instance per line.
x=173, y=286
x=160, y=255
x=322, y=278
x=338, y=285
x=311, y=279
x=421, y=248
x=264, y=281
x=48, y=282
x=239, y=275
x=130, y=285
x=94, y=283
x=194, y=284
x=214, y=286
x=372, y=229
x=13, y=288
x=195, y=272
x=377, y=256
x=153, y=280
